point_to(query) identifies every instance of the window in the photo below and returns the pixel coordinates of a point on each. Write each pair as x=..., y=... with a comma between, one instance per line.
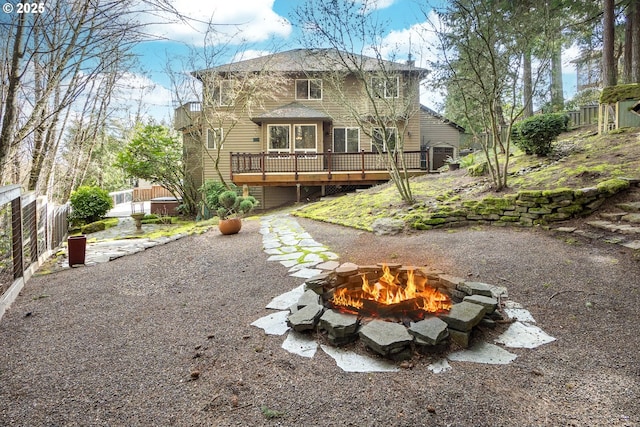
x=346, y=140
x=384, y=87
x=305, y=138
x=308, y=89
x=214, y=137
x=379, y=140
x=226, y=92
x=278, y=138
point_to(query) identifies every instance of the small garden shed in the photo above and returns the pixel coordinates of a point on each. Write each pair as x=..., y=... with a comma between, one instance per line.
x=617, y=107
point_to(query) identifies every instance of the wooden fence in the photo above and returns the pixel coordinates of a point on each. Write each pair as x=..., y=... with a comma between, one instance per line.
x=585, y=115
x=31, y=228
x=146, y=194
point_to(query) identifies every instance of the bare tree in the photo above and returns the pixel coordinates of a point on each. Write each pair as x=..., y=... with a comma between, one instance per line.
x=389, y=91
x=245, y=92
x=55, y=57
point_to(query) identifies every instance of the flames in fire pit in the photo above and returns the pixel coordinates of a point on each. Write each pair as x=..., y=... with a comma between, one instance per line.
x=403, y=294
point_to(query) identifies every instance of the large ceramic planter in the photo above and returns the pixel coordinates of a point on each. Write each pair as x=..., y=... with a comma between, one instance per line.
x=229, y=225
x=76, y=250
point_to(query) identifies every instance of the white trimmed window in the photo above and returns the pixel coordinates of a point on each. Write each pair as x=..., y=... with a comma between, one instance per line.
x=214, y=137
x=379, y=140
x=306, y=140
x=308, y=89
x=346, y=140
x=386, y=87
x=278, y=138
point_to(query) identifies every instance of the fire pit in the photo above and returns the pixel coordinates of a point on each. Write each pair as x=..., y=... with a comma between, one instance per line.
x=395, y=309
x=388, y=292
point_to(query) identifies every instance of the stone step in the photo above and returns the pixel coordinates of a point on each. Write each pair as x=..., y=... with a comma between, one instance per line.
x=633, y=218
x=614, y=228
x=629, y=207
x=613, y=216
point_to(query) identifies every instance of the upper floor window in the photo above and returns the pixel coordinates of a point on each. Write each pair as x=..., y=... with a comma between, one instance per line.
x=214, y=138
x=386, y=87
x=346, y=140
x=226, y=92
x=385, y=139
x=308, y=89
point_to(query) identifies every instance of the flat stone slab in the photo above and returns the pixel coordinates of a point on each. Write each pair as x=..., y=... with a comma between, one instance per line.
x=450, y=282
x=308, y=298
x=489, y=303
x=306, y=273
x=630, y=207
x=329, y=265
x=349, y=361
x=439, y=366
x=286, y=300
x=339, y=324
x=385, y=338
x=612, y=216
x=520, y=314
x=431, y=330
x=483, y=353
x=306, y=318
x=464, y=316
x=635, y=244
x=286, y=257
x=475, y=288
x=521, y=335
x=302, y=345
x=273, y=324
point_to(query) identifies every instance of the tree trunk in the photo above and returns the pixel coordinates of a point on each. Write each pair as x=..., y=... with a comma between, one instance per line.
x=628, y=44
x=557, y=95
x=635, y=42
x=609, y=77
x=527, y=85
x=10, y=106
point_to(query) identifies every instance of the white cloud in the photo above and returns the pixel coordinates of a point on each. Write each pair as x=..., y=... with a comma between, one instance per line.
x=137, y=93
x=369, y=5
x=254, y=21
x=249, y=54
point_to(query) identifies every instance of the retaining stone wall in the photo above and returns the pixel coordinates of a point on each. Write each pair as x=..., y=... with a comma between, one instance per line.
x=526, y=208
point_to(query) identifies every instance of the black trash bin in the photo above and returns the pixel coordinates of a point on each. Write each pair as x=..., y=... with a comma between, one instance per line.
x=76, y=250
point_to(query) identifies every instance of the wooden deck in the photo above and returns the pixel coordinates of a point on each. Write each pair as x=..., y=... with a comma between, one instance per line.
x=287, y=169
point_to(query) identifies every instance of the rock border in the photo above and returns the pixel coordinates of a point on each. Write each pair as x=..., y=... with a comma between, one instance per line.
x=526, y=208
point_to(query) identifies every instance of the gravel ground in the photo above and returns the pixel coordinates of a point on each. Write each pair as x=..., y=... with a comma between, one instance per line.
x=163, y=337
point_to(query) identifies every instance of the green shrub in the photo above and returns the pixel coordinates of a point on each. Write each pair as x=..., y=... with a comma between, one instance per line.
x=231, y=204
x=89, y=204
x=211, y=191
x=535, y=134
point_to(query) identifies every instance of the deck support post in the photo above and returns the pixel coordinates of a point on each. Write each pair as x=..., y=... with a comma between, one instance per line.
x=298, y=193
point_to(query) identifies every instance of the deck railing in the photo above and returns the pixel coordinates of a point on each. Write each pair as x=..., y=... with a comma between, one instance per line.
x=326, y=162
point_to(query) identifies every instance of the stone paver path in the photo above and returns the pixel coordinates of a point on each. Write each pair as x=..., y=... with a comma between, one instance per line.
x=284, y=240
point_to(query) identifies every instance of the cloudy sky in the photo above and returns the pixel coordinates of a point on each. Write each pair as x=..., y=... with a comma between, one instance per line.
x=248, y=28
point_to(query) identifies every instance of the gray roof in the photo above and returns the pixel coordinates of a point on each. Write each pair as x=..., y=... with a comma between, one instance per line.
x=294, y=110
x=309, y=61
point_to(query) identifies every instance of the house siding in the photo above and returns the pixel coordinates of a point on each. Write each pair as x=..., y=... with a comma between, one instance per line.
x=435, y=133
x=247, y=136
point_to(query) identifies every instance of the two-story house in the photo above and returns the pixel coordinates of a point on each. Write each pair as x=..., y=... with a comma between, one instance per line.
x=296, y=122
